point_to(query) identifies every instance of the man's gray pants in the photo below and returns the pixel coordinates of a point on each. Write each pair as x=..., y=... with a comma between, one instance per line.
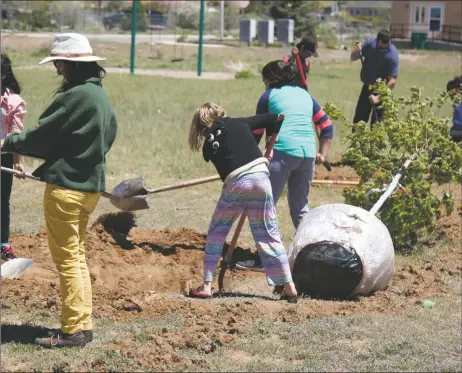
x=298, y=174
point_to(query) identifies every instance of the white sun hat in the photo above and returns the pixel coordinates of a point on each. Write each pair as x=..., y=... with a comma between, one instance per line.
x=71, y=47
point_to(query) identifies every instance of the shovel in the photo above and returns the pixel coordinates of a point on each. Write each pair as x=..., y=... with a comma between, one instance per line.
x=14, y=268
x=125, y=204
x=135, y=193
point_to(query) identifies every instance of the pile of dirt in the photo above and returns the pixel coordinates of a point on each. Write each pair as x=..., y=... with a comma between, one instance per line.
x=130, y=270
x=150, y=275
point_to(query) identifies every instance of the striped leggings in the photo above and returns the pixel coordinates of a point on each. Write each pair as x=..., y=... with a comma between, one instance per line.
x=249, y=194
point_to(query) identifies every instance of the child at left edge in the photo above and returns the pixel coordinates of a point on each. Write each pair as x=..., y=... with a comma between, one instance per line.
x=229, y=144
x=13, y=109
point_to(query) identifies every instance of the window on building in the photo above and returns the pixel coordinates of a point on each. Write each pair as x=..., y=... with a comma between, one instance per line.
x=423, y=15
x=417, y=13
x=435, y=18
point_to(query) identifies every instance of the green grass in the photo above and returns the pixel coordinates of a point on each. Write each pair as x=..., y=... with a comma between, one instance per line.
x=355, y=344
x=154, y=114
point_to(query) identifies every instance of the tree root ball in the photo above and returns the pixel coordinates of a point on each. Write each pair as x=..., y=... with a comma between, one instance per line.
x=341, y=250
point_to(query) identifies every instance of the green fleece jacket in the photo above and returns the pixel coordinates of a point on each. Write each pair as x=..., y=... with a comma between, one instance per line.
x=73, y=136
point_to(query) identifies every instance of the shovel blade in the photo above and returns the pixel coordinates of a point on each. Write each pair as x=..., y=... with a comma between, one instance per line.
x=130, y=188
x=130, y=195
x=14, y=268
x=131, y=203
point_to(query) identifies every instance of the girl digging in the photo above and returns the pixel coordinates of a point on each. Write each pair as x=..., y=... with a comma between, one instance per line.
x=232, y=149
x=13, y=109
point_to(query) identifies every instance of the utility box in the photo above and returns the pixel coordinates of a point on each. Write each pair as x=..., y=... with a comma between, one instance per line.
x=266, y=31
x=286, y=31
x=247, y=30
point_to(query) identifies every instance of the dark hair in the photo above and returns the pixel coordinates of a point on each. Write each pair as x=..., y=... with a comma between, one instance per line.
x=384, y=36
x=308, y=43
x=279, y=74
x=455, y=83
x=10, y=80
x=76, y=73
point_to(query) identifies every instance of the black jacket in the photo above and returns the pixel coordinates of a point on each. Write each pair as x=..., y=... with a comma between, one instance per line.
x=235, y=145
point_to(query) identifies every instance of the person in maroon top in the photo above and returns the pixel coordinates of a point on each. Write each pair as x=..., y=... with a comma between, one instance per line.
x=307, y=47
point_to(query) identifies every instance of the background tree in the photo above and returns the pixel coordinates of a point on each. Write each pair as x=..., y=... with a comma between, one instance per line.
x=259, y=7
x=302, y=12
x=113, y=5
x=141, y=19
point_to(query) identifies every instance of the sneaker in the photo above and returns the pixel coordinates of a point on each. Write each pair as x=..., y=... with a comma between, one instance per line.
x=250, y=265
x=60, y=339
x=87, y=333
x=7, y=253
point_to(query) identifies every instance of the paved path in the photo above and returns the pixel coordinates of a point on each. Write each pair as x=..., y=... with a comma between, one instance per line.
x=167, y=73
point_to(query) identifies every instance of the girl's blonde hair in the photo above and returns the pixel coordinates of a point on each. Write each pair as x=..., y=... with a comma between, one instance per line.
x=203, y=118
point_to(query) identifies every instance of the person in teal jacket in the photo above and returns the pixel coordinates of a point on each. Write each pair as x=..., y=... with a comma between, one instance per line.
x=73, y=136
x=295, y=152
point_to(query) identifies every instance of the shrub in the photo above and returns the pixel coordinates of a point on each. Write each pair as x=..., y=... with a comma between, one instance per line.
x=244, y=74
x=377, y=154
x=189, y=16
x=328, y=36
x=141, y=19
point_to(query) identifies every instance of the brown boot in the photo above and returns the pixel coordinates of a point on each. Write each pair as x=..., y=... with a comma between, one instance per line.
x=87, y=333
x=60, y=339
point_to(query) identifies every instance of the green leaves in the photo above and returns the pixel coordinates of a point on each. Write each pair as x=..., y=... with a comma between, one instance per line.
x=410, y=127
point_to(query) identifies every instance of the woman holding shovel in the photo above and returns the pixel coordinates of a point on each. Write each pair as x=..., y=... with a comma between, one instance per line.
x=13, y=110
x=232, y=149
x=73, y=136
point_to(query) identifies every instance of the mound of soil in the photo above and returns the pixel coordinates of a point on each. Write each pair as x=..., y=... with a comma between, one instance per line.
x=129, y=270
x=152, y=271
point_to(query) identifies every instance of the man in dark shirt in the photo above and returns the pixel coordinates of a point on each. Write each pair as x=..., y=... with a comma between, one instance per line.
x=380, y=59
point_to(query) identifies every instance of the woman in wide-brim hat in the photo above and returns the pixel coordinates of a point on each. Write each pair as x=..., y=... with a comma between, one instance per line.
x=73, y=136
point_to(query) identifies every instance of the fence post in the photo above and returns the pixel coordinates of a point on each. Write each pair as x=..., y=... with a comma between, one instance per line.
x=222, y=19
x=201, y=38
x=133, y=49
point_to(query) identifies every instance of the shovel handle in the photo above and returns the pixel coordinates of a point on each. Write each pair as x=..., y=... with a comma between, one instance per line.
x=19, y=173
x=185, y=184
x=298, y=62
x=29, y=176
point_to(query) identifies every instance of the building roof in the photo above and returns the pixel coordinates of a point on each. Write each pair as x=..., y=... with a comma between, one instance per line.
x=369, y=4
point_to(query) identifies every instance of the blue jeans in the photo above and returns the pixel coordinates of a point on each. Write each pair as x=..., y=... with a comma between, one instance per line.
x=298, y=174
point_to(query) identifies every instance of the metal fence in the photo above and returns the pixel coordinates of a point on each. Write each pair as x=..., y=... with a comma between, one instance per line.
x=447, y=32
x=88, y=21
x=177, y=22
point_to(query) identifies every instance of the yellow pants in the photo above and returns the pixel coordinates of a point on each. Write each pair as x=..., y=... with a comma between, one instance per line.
x=66, y=216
